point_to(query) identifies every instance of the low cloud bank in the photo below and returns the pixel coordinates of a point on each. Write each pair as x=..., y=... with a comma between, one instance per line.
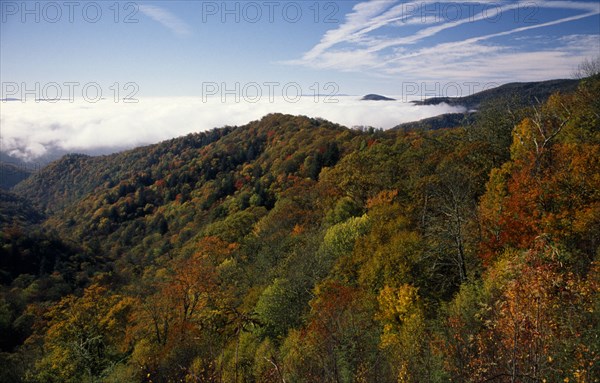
x=32, y=130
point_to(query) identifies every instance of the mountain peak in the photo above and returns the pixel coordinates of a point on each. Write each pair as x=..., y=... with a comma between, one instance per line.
x=376, y=97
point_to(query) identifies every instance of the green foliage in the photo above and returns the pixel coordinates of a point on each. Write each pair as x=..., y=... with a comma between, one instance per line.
x=83, y=337
x=292, y=249
x=340, y=239
x=279, y=308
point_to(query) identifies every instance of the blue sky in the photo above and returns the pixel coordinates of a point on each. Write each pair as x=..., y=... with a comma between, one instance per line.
x=362, y=46
x=140, y=72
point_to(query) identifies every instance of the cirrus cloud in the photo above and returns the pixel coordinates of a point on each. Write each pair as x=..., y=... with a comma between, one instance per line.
x=423, y=41
x=167, y=19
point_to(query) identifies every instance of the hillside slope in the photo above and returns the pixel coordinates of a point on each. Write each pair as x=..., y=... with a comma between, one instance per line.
x=295, y=249
x=511, y=96
x=521, y=93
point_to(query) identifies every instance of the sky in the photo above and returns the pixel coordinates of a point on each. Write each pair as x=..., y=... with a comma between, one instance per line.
x=182, y=66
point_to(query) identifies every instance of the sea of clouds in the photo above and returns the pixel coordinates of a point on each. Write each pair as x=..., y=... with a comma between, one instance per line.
x=30, y=130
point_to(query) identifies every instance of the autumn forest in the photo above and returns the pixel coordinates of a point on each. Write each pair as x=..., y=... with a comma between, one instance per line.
x=294, y=249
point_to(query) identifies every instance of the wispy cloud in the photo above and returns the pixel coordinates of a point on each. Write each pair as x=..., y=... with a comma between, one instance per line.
x=167, y=19
x=391, y=38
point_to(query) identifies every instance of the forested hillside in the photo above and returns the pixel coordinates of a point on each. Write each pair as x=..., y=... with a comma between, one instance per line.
x=293, y=249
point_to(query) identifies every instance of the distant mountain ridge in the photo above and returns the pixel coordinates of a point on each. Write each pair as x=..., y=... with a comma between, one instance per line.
x=448, y=120
x=12, y=173
x=515, y=94
x=522, y=92
x=376, y=97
